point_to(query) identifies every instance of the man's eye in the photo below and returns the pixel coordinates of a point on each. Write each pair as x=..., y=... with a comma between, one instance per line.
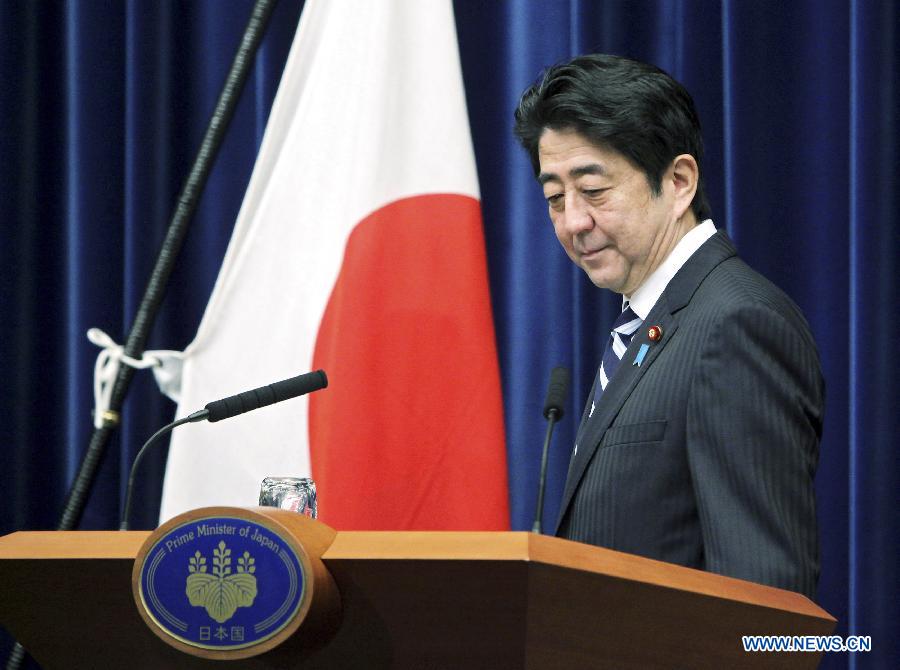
x=555, y=199
x=593, y=192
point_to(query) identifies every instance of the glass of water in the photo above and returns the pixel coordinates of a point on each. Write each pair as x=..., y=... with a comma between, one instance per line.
x=297, y=494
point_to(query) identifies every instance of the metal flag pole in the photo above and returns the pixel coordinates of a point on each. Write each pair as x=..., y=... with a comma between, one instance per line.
x=165, y=264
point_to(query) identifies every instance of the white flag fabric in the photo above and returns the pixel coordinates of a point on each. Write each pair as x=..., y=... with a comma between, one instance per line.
x=359, y=249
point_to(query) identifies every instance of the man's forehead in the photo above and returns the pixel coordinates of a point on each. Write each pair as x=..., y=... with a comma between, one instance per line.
x=576, y=152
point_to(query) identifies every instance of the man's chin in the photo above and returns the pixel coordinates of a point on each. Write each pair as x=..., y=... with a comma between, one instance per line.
x=605, y=280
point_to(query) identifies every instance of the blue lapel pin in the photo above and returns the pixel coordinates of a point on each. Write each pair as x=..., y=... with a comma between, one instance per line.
x=640, y=354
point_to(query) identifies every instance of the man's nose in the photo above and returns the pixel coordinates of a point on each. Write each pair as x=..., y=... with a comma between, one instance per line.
x=578, y=216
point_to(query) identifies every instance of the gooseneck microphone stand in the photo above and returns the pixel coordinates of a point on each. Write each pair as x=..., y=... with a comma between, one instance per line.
x=553, y=412
x=165, y=264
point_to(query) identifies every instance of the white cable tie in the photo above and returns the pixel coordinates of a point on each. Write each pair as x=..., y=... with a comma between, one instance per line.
x=107, y=368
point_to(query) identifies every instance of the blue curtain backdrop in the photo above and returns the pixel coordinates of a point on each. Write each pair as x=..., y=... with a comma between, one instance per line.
x=103, y=106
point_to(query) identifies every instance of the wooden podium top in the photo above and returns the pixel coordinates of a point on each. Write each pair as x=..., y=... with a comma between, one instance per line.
x=79, y=544
x=524, y=546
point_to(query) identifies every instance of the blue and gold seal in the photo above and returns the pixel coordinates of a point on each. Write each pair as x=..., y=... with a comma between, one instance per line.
x=221, y=581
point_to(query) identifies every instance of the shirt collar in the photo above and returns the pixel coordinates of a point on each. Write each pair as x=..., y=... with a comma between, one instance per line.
x=646, y=295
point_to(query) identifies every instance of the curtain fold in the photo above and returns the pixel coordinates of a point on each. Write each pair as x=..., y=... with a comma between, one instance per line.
x=103, y=108
x=874, y=252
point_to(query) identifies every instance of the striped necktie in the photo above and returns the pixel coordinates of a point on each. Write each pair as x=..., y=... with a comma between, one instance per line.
x=619, y=339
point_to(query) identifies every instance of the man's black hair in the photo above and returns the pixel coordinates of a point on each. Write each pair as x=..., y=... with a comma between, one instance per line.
x=630, y=107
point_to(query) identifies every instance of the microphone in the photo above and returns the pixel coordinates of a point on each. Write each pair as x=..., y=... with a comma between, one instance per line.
x=227, y=408
x=556, y=393
x=553, y=412
x=266, y=395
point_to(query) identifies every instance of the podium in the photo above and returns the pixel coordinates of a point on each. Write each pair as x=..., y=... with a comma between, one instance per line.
x=417, y=600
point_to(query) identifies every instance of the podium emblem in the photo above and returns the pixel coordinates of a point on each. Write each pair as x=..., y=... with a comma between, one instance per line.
x=220, y=582
x=223, y=591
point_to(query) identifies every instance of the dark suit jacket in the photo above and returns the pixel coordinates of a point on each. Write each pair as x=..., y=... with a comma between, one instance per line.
x=704, y=455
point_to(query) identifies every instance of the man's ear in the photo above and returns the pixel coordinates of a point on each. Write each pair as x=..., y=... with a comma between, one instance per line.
x=685, y=176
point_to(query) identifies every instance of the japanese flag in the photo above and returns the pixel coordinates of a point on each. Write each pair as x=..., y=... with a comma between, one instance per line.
x=359, y=250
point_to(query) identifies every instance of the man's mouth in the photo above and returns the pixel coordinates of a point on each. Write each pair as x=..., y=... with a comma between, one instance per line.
x=589, y=254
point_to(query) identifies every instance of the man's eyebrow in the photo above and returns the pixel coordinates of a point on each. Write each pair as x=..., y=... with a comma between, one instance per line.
x=590, y=168
x=574, y=173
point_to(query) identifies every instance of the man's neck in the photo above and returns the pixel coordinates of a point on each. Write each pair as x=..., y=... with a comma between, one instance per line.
x=645, y=296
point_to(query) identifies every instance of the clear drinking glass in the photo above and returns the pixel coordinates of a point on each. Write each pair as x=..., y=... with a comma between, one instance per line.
x=297, y=494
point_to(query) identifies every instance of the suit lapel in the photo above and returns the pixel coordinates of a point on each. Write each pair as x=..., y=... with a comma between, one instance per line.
x=664, y=314
x=617, y=391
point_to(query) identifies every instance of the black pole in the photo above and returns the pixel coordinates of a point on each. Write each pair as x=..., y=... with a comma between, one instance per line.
x=165, y=264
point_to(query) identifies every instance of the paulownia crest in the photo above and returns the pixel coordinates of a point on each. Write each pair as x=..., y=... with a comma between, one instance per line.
x=222, y=591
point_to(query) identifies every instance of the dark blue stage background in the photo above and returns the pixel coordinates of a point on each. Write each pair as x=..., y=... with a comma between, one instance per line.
x=103, y=105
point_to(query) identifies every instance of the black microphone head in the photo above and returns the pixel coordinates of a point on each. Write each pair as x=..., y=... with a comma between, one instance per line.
x=266, y=395
x=556, y=392
x=300, y=385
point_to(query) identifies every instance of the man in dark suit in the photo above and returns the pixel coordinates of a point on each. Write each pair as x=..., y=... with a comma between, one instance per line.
x=699, y=442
